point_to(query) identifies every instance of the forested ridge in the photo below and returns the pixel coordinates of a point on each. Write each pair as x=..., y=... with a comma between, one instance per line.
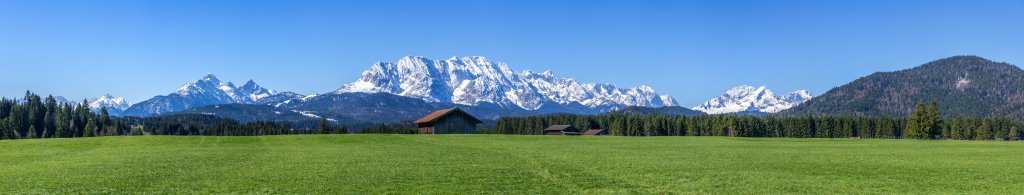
x=968, y=86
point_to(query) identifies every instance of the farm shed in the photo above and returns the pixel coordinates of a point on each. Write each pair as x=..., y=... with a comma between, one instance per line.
x=447, y=121
x=561, y=130
x=595, y=132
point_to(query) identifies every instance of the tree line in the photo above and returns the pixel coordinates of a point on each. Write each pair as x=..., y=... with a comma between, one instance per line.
x=925, y=123
x=37, y=117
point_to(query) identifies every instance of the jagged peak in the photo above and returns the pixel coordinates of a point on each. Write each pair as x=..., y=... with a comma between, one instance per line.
x=645, y=88
x=546, y=73
x=210, y=77
x=468, y=58
x=250, y=84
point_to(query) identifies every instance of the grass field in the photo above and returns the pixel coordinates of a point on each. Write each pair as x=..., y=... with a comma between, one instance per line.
x=473, y=164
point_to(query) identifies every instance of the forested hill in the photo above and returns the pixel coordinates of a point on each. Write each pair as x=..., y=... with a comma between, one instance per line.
x=962, y=85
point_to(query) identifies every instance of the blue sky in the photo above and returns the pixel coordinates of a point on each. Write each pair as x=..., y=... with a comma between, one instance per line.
x=692, y=50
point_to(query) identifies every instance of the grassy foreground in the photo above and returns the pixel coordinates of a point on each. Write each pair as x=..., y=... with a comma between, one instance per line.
x=473, y=164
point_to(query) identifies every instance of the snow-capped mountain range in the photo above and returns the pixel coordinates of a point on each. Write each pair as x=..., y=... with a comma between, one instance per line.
x=750, y=99
x=475, y=80
x=110, y=102
x=210, y=89
x=207, y=91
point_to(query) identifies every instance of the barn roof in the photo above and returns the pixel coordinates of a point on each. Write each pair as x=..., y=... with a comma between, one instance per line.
x=558, y=127
x=441, y=113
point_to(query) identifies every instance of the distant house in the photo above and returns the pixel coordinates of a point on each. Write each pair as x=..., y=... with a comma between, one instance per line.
x=447, y=121
x=561, y=130
x=595, y=132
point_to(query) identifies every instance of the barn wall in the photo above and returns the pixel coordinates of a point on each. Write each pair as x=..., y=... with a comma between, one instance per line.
x=454, y=124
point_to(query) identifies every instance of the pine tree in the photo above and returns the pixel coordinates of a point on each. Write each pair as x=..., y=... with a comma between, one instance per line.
x=934, y=120
x=323, y=126
x=8, y=131
x=917, y=127
x=90, y=129
x=1014, y=133
x=31, y=134
x=62, y=123
x=3, y=129
x=984, y=131
x=104, y=119
x=19, y=120
x=957, y=130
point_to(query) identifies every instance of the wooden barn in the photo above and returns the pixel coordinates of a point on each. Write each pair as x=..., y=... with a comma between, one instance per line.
x=448, y=121
x=561, y=130
x=595, y=132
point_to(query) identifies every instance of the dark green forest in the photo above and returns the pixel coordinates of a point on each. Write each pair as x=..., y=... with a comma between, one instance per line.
x=926, y=123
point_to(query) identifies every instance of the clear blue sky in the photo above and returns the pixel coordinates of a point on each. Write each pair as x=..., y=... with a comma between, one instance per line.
x=693, y=50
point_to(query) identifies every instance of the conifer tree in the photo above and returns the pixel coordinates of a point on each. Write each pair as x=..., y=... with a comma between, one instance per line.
x=934, y=120
x=104, y=119
x=19, y=120
x=916, y=126
x=1014, y=133
x=984, y=131
x=7, y=130
x=31, y=134
x=323, y=126
x=957, y=130
x=90, y=129
x=61, y=125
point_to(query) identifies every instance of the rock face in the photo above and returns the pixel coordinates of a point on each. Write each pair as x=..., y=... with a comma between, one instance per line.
x=476, y=80
x=749, y=99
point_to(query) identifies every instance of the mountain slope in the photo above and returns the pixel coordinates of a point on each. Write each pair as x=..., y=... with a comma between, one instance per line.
x=962, y=85
x=251, y=113
x=476, y=80
x=748, y=99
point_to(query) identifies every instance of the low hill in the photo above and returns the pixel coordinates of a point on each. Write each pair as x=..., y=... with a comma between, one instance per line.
x=962, y=85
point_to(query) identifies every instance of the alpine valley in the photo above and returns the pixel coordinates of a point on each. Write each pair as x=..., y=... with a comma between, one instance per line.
x=402, y=91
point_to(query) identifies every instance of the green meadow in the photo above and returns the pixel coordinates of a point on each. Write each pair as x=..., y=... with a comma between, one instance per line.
x=507, y=164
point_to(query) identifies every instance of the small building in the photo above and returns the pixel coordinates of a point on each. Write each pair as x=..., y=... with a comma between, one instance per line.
x=595, y=132
x=561, y=130
x=447, y=121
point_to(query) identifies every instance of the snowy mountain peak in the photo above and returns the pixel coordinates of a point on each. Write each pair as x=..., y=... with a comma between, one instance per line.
x=110, y=102
x=474, y=80
x=747, y=98
x=210, y=78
